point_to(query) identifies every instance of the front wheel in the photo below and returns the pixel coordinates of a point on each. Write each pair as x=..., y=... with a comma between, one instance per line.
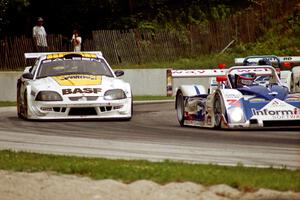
x=218, y=111
x=131, y=114
x=180, y=108
x=19, y=107
x=25, y=107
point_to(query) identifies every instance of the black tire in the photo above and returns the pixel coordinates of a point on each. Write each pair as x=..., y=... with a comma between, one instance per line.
x=180, y=108
x=25, y=107
x=218, y=111
x=19, y=107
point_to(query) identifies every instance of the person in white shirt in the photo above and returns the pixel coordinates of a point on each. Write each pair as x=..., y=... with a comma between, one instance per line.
x=40, y=36
x=76, y=41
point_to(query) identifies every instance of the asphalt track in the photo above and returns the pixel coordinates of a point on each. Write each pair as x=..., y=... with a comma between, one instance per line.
x=152, y=134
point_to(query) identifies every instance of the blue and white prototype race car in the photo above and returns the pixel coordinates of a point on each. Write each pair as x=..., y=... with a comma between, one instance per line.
x=69, y=85
x=238, y=97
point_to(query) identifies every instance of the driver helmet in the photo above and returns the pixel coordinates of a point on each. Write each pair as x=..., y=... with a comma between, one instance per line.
x=264, y=61
x=248, y=63
x=245, y=79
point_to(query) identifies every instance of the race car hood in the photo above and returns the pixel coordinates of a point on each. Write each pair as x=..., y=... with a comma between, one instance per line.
x=78, y=80
x=78, y=83
x=268, y=93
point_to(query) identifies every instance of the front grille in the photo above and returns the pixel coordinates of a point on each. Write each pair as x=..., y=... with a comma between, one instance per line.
x=56, y=109
x=105, y=108
x=85, y=98
x=291, y=123
x=82, y=111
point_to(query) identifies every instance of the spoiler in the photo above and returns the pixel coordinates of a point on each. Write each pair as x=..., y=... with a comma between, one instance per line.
x=260, y=70
x=198, y=73
x=272, y=58
x=39, y=54
x=212, y=73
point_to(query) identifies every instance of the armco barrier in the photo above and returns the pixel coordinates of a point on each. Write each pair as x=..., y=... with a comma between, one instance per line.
x=143, y=82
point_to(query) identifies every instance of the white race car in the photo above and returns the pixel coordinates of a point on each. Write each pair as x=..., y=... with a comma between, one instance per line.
x=69, y=85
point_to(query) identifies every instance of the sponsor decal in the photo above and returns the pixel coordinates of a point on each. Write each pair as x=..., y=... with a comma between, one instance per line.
x=81, y=91
x=234, y=102
x=204, y=72
x=232, y=96
x=276, y=110
x=78, y=80
x=61, y=55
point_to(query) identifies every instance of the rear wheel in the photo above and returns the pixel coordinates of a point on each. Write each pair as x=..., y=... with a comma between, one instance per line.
x=180, y=108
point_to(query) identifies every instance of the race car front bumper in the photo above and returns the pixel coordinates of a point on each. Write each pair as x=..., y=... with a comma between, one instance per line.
x=102, y=109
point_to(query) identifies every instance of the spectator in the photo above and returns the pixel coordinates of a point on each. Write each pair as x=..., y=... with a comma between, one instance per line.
x=40, y=36
x=76, y=41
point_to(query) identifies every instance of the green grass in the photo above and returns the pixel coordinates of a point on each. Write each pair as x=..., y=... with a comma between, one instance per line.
x=161, y=172
x=7, y=103
x=203, y=61
x=148, y=98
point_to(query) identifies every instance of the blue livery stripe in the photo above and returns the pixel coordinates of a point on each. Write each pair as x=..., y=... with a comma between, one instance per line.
x=197, y=90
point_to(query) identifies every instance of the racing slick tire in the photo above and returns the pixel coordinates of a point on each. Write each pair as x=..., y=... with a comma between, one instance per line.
x=19, y=107
x=218, y=111
x=25, y=106
x=180, y=108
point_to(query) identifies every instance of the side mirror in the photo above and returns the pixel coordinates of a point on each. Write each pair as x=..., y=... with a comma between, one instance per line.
x=28, y=69
x=119, y=73
x=27, y=76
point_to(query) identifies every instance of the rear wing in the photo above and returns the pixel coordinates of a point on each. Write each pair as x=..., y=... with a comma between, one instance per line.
x=39, y=54
x=218, y=72
x=197, y=73
x=271, y=58
x=191, y=73
x=211, y=74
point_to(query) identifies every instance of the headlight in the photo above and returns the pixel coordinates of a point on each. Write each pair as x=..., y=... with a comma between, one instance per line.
x=114, y=94
x=48, y=96
x=236, y=114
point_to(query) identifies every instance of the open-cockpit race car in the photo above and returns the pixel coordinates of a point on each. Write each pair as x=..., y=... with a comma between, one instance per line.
x=69, y=85
x=238, y=97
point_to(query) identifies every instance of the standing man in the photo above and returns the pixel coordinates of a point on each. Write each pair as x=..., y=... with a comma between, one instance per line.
x=76, y=41
x=40, y=36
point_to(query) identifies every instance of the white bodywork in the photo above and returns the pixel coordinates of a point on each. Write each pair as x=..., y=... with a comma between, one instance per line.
x=82, y=95
x=200, y=107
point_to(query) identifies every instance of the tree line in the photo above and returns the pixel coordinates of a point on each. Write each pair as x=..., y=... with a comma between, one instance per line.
x=17, y=17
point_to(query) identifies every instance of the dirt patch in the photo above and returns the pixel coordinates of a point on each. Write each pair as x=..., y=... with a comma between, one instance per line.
x=52, y=186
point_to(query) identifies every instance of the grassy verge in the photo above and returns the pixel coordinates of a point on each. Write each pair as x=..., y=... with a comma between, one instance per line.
x=148, y=98
x=7, y=103
x=201, y=62
x=161, y=172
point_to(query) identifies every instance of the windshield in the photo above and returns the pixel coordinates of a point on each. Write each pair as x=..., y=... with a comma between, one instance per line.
x=64, y=66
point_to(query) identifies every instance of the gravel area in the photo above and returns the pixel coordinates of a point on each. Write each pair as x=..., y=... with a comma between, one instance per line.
x=52, y=186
